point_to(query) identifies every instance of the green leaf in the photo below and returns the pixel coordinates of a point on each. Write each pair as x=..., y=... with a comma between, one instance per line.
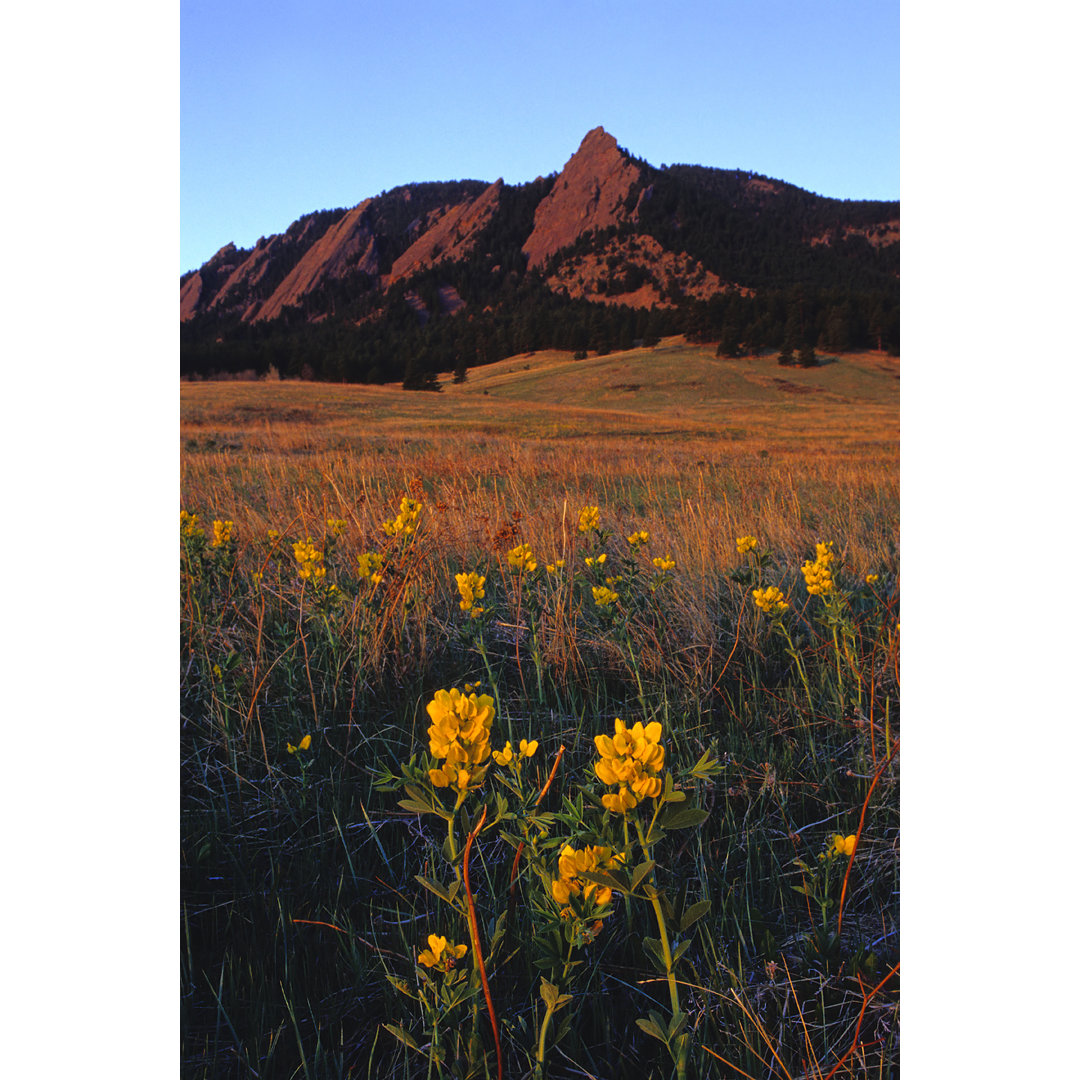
x=650, y=1028
x=400, y=1033
x=656, y=952
x=684, y=817
x=641, y=871
x=613, y=880
x=678, y=1022
x=433, y=886
x=693, y=913
x=549, y=992
x=677, y=955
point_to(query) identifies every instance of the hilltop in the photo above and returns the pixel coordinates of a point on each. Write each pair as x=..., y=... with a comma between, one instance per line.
x=607, y=253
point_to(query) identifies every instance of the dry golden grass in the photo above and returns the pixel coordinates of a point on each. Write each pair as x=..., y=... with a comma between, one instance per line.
x=696, y=449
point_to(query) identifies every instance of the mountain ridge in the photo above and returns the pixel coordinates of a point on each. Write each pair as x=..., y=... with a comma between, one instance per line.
x=608, y=232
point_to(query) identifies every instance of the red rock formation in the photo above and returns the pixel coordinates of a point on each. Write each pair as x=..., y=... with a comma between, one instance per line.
x=348, y=245
x=589, y=193
x=451, y=237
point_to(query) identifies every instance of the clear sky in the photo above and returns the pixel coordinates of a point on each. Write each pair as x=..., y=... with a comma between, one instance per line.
x=289, y=107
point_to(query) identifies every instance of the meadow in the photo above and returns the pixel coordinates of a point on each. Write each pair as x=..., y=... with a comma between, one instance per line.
x=626, y=807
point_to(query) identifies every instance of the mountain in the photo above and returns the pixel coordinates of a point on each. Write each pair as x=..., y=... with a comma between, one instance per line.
x=610, y=250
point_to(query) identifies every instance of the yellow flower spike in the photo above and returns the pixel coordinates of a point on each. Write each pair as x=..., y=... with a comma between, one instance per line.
x=272, y=535
x=637, y=539
x=588, y=519
x=471, y=588
x=743, y=544
x=336, y=526
x=665, y=563
x=604, y=596
x=222, y=533
x=770, y=599
x=521, y=558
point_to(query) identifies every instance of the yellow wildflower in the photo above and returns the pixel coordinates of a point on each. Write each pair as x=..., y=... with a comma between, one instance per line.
x=770, y=599
x=743, y=544
x=588, y=519
x=459, y=737
x=598, y=561
x=521, y=558
x=405, y=522
x=632, y=761
x=505, y=755
x=369, y=566
x=471, y=587
x=573, y=862
x=842, y=845
x=871, y=579
x=335, y=526
x=309, y=560
x=636, y=539
x=528, y=747
x=272, y=535
x=604, y=596
x=664, y=564
x=558, y=564
x=817, y=575
x=304, y=744
x=222, y=533
x=189, y=526
x=441, y=953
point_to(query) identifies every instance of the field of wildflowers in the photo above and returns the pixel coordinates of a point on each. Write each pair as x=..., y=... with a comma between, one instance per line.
x=588, y=771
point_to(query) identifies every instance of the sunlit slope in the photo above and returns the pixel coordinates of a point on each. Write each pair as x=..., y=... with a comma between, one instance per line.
x=673, y=393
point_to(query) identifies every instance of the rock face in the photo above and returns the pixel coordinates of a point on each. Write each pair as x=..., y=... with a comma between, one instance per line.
x=348, y=245
x=451, y=237
x=591, y=192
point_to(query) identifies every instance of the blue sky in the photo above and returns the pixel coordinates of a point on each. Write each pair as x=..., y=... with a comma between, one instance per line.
x=287, y=108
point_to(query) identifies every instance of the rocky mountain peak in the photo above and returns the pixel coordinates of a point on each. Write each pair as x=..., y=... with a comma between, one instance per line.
x=592, y=192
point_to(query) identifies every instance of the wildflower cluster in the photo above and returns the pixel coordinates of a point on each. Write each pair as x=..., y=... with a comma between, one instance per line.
x=558, y=564
x=405, y=523
x=189, y=526
x=335, y=526
x=222, y=534
x=521, y=558
x=369, y=566
x=632, y=760
x=441, y=953
x=770, y=600
x=664, y=563
x=637, y=539
x=589, y=519
x=589, y=860
x=460, y=737
x=309, y=560
x=817, y=574
x=471, y=587
x=303, y=744
x=604, y=596
x=744, y=544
